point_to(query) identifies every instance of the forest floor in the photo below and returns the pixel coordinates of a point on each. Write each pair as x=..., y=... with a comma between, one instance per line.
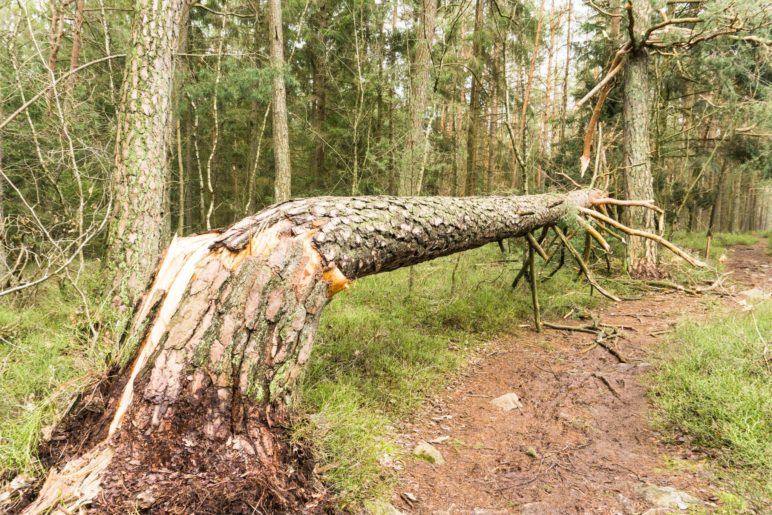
x=582, y=442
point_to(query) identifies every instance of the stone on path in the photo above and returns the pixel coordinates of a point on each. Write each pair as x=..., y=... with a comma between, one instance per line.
x=381, y=508
x=428, y=452
x=667, y=497
x=538, y=508
x=508, y=402
x=755, y=294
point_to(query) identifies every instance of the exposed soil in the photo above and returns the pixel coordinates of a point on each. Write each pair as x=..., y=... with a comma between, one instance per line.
x=581, y=443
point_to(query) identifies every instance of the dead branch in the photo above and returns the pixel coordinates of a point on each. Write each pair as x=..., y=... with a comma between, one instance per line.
x=584, y=267
x=595, y=234
x=643, y=234
x=610, y=75
x=533, y=282
x=648, y=204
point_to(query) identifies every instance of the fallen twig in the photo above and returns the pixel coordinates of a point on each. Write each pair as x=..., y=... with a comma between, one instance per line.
x=583, y=266
x=608, y=384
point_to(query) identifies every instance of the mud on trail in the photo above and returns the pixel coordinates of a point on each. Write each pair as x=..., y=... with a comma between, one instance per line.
x=581, y=442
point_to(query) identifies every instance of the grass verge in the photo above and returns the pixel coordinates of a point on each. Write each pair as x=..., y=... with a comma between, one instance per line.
x=714, y=384
x=45, y=356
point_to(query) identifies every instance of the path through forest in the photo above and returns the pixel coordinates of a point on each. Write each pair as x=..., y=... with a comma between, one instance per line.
x=581, y=442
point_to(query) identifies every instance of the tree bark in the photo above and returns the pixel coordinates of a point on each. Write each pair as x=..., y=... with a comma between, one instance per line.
x=80, y=6
x=142, y=144
x=526, y=97
x=223, y=334
x=320, y=71
x=281, y=156
x=472, y=185
x=55, y=37
x=411, y=176
x=566, y=76
x=546, y=130
x=638, y=179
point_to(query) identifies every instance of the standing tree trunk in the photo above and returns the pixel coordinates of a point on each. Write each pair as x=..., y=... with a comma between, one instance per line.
x=223, y=334
x=55, y=37
x=258, y=122
x=472, y=176
x=527, y=96
x=392, y=175
x=183, y=162
x=281, y=156
x=320, y=71
x=141, y=151
x=546, y=130
x=411, y=176
x=80, y=6
x=638, y=179
x=566, y=76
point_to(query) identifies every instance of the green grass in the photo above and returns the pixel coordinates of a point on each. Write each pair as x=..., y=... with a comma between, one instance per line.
x=380, y=353
x=714, y=384
x=44, y=357
x=696, y=241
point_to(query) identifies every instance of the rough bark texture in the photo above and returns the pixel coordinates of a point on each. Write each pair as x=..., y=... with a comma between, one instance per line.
x=638, y=179
x=141, y=149
x=472, y=186
x=281, y=157
x=528, y=86
x=225, y=331
x=80, y=6
x=411, y=176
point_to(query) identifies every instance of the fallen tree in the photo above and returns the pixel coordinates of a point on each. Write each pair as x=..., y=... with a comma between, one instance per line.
x=196, y=422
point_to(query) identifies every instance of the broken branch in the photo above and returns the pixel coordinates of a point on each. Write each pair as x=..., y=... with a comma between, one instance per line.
x=583, y=266
x=643, y=234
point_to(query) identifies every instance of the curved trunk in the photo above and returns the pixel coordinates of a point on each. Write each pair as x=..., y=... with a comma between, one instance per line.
x=223, y=334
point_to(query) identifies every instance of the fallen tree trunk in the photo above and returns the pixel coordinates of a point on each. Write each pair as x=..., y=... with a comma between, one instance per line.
x=195, y=423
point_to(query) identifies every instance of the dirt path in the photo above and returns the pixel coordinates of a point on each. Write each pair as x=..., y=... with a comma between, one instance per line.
x=581, y=442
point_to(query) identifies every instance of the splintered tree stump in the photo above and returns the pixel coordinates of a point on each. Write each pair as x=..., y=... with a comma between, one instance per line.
x=197, y=421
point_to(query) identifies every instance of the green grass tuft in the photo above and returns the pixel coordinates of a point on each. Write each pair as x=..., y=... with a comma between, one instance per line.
x=44, y=356
x=714, y=384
